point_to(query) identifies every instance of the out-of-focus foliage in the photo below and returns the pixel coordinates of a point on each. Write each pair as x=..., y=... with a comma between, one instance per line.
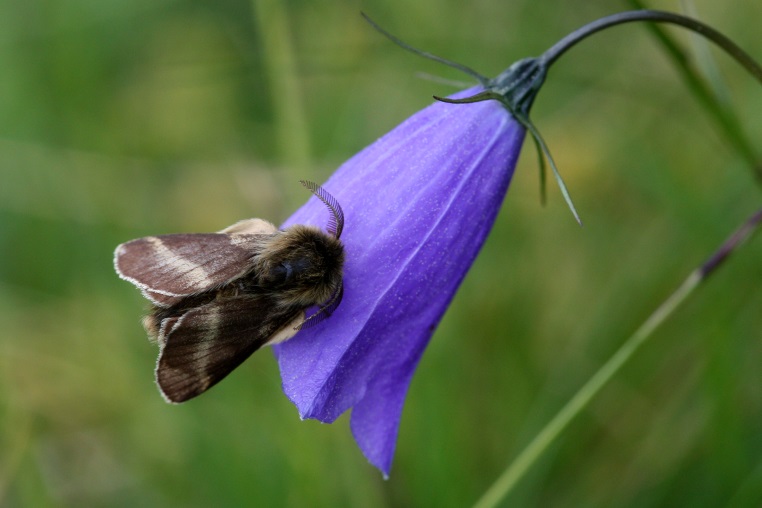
x=122, y=119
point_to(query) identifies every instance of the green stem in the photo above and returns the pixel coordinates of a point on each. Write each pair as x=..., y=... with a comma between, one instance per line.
x=730, y=47
x=508, y=480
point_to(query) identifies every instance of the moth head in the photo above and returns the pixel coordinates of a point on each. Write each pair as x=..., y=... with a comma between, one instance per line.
x=303, y=264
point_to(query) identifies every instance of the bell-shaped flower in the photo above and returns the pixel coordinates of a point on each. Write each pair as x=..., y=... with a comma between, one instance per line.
x=419, y=203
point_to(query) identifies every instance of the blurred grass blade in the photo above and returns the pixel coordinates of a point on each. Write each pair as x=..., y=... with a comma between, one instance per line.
x=508, y=480
x=723, y=116
x=291, y=131
x=705, y=61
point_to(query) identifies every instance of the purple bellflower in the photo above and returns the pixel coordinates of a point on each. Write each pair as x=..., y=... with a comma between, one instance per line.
x=419, y=204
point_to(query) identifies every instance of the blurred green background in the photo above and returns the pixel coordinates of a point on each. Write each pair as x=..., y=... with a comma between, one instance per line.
x=125, y=119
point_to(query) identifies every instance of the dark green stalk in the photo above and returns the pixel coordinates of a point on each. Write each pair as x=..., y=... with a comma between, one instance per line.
x=724, y=117
x=730, y=47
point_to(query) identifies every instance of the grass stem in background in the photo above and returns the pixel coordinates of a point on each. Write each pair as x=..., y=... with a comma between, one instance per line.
x=723, y=116
x=291, y=133
x=508, y=480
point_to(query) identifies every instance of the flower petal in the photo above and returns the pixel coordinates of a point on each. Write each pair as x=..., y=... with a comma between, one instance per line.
x=419, y=203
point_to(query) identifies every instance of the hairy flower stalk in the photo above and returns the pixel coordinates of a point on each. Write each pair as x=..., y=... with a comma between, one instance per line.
x=419, y=204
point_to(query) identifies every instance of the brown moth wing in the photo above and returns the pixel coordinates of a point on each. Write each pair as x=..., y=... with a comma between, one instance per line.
x=168, y=267
x=206, y=343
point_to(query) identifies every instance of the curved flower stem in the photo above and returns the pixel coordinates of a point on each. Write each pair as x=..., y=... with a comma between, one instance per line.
x=730, y=47
x=548, y=435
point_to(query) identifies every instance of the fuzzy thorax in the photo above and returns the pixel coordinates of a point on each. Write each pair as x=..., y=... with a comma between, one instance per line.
x=301, y=265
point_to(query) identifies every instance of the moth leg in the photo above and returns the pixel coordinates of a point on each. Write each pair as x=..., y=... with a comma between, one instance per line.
x=324, y=311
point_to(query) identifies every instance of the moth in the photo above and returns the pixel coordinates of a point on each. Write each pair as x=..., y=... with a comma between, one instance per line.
x=218, y=297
